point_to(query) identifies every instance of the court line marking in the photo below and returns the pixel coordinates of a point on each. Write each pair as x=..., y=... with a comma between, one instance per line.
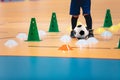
x=3, y=32
x=72, y=47
x=6, y=37
x=14, y=22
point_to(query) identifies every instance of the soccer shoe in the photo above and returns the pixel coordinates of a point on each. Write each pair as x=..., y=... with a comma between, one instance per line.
x=90, y=33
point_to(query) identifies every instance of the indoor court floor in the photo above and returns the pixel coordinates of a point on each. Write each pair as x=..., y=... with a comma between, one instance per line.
x=43, y=60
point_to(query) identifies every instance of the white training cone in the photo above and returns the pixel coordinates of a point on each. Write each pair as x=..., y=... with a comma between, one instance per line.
x=65, y=39
x=106, y=34
x=81, y=43
x=22, y=36
x=92, y=41
x=42, y=34
x=11, y=43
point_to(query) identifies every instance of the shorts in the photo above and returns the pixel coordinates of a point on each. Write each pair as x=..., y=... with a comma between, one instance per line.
x=75, y=6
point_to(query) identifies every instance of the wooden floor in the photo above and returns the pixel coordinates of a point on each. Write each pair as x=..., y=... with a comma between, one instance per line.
x=15, y=18
x=42, y=60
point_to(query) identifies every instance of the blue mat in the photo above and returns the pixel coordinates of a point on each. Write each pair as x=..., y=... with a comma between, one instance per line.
x=45, y=68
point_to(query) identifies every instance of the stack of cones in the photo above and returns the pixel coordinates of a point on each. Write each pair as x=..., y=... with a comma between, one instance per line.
x=65, y=47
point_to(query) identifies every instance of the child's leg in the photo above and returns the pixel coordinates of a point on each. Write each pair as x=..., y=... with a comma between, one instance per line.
x=86, y=7
x=88, y=20
x=73, y=23
x=74, y=11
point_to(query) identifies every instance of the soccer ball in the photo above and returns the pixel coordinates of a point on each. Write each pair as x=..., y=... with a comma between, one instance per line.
x=80, y=32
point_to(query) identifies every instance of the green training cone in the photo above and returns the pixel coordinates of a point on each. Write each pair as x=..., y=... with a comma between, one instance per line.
x=108, y=19
x=119, y=44
x=33, y=31
x=53, y=24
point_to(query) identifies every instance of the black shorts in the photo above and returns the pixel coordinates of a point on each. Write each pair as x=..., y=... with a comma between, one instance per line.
x=75, y=6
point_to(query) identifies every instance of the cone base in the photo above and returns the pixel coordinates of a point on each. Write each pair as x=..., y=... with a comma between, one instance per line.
x=53, y=31
x=33, y=41
x=117, y=48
